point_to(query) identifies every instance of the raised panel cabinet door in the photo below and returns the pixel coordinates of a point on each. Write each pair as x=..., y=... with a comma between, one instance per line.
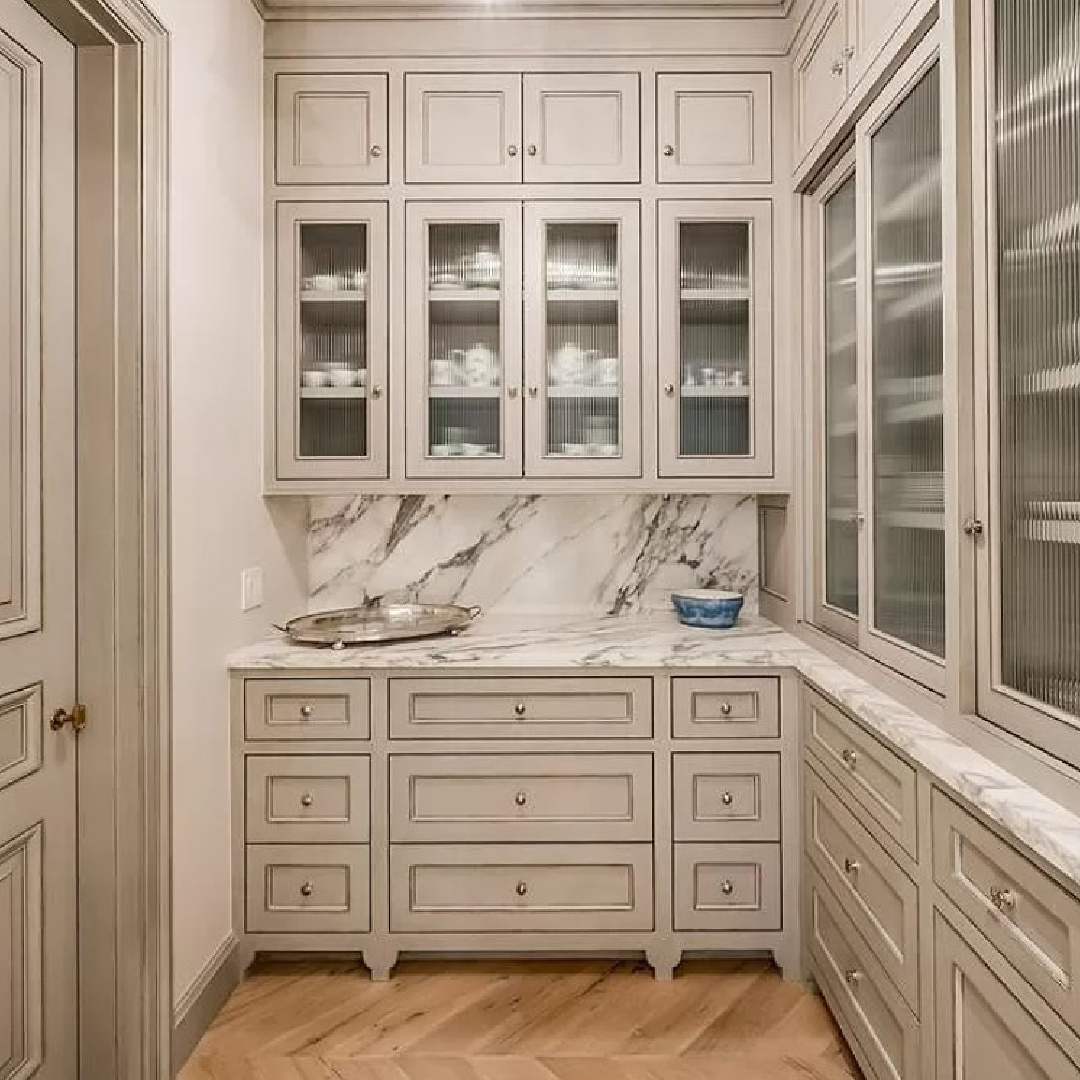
x=981, y=1028
x=329, y=382
x=716, y=339
x=463, y=340
x=38, y=831
x=714, y=129
x=462, y=129
x=870, y=25
x=582, y=128
x=330, y=129
x=583, y=339
x=820, y=75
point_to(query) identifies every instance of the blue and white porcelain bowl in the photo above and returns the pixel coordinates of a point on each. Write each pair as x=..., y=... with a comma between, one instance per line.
x=713, y=609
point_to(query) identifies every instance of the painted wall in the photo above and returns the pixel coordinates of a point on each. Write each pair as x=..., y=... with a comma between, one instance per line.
x=220, y=524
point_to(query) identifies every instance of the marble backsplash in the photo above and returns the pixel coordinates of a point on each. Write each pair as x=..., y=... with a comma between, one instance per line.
x=531, y=553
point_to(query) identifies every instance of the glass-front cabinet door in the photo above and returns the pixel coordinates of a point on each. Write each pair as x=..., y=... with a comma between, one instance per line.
x=715, y=339
x=900, y=159
x=1029, y=507
x=582, y=361
x=463, y=340
x=330, y=376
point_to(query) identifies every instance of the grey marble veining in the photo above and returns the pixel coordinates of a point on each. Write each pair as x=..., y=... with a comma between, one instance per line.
x=571, y=554
x=658, y=642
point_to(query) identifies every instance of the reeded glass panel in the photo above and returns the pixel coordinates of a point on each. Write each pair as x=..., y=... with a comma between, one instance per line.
x=908, y=425
x=584, y=367
x=1038, y=214
x=333, y=339
x=465, y=277
x=841, y=405
x=714, y=331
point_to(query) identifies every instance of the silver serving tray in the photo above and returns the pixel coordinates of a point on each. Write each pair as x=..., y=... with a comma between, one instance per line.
x=378, y=623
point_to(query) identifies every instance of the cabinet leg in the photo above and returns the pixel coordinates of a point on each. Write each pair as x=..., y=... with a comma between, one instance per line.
x=380, y=961
x=663, y=959
x=789, y=959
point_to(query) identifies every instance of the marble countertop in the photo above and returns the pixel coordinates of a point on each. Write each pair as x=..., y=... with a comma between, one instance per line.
x=657, y=641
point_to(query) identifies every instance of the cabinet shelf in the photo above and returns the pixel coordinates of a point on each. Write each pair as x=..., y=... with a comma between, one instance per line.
x=465, y=393
x=728, y=296
x=332, y=296
x=914, y=413
x=918, y=520
x=557, y=392
x=457, y=295
x=1047, y=531
x=583, y=296
x=1052, y=380
x=715, y=392
x=332, y=393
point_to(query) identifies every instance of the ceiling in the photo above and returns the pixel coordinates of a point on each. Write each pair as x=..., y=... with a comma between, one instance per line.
x=362, y=8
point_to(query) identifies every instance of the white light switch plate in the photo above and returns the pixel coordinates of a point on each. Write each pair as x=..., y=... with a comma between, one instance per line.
x=251, y=589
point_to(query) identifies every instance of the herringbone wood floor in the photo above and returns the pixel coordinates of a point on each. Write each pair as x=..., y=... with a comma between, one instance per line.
x=521, y=1020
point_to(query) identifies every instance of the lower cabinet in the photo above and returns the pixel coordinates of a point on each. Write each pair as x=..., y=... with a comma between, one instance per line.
x=728, y=887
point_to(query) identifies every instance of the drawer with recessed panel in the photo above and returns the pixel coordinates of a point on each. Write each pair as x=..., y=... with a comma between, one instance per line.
x=728, y=887
x=725, y=708
x=310, y=709
x=723, y=797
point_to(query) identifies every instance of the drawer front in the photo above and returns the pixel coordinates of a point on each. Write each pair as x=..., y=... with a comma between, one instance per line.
x=726, y=708
x=580, y=708
x=728, y=887
x=726, y=796
x=881, y=781
x=330, y=709
x=1031, y=919
x=880, y=1020
x=876, y=894
x=308, y=800
x=296, y=890
x=527, y=887
x=538, y=797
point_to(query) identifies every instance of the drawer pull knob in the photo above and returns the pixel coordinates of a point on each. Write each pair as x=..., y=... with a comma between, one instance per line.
x=669, y=151
x=307, y=889
x=727, y=888
x=725, y=709
x=521, y=798
x=519, y=709
x=306, y=711
x=376, y=151
x=851, y=866
x=1003, y=899
x=522, y=888
x=669, y=389
x=727, y=798
x=512, y=151
x=851, y=759
x=307, y=799
x=853, y=977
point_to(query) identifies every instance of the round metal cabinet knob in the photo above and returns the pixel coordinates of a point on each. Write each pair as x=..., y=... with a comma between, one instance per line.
x=725, y=709
x=669, y=389
x=850, y=758
x=851, y=866
x=512, y=151
x=522, y=888
x=307, y=799
x=521, y=798
x=306, y=711
x=376, y=391
x=838, y=67
x=376, y=151
x=853, y=977
x=727, y=798
x=727, y=888
x=669, y=151
x=519, y=709
x=532, y=150
x=511, y=392
x=307, y=889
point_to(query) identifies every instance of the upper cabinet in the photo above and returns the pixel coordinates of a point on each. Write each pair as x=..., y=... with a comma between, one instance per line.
x=552, y=128
x=330, y=129
x=714, y=129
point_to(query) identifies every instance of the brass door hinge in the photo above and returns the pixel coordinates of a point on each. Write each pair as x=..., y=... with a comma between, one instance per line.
x=77, y=718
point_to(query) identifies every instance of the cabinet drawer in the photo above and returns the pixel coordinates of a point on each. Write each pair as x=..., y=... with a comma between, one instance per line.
x=876, y=894
x=1031, y=919
x=293, y=889
x=726, y=796
x=714, y=128
x=333, y=709
x=883, y=1025
x=528, y=887
x=302, y=800
x=539, y=797
x=725, y=708
x=880, y=780
x=601, y=707
x=728, y=887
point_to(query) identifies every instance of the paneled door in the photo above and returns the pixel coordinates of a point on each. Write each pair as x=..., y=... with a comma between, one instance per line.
x=38, y=946
x=820, y=75
x=330, y=392
x=463, y=361
x=582, y=355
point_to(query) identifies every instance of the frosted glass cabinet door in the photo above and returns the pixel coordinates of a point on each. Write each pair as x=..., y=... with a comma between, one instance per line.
x=583, y=364
x=1030, y=564
x=330, y=376
x=463, y=339
x=716, y=339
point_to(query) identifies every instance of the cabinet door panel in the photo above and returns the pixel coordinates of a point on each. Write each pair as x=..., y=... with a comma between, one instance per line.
x=331, y=129
x=583, y=361
x=820, y=79
x=332, y=324
x=582, y=128
x=716, y=328
x=463, y=129
x=870, y=25
x=463, y=335
x=714, y=129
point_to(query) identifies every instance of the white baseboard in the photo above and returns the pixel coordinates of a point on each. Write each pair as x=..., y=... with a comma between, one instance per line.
x=196, y=1008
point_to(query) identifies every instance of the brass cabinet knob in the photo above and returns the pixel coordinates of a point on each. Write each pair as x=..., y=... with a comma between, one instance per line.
x=850, y=758
x=521, y=798
x=307, y=889
x=727, y=798
x=669, y=151
x=306, y=711
x=519, y=709
x=851, y=866
x=725, y=709
x=307, y=799
x=853, y=977
x=76, y=717
x=522, y=888
x=1003, y=899
x=727, y=888
x=376, y=151
x=669, y=389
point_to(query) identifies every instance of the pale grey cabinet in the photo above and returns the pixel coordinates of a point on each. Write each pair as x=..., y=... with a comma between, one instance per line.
x=820, y=74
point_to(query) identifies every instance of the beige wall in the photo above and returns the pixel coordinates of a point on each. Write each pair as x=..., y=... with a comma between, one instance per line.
x=220, y=523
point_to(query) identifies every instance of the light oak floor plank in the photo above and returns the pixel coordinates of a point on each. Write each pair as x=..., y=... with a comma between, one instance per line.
x=450, y=1019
